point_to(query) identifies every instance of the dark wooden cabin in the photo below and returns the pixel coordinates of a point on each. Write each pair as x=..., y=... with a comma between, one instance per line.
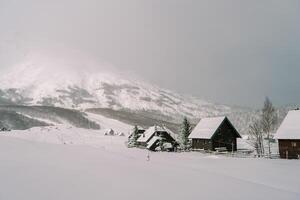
x=156, y=136
x=288, y=136
x=213, y=134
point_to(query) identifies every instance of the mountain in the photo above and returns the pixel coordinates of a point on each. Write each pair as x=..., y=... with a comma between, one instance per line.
x=71, y=87
x=84, y=84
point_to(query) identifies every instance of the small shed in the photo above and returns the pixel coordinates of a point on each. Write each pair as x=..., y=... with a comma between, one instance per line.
x=110, y=132
x=213, y=134
x=288, y=136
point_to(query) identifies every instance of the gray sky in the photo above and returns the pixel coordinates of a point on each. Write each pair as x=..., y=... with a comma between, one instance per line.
x=226, y=51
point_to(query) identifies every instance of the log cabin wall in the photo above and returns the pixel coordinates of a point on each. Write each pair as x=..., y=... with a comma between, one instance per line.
x=201, y=144
x=289, y=149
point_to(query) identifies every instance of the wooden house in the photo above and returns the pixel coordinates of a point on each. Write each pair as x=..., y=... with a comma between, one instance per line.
x=141, y=130
x=157, y=136
x=214, y=134
x=288, y=136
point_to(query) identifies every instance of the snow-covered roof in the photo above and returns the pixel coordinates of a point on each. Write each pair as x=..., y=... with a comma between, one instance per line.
x=206, y=128
x=171, y=133
x=150, y=131
x=147, y=134
x=152, y=141
x=290, y=127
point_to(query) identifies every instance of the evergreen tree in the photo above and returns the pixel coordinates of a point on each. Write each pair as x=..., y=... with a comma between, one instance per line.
x=184, y=134
x=268, y=120
x=134, y=137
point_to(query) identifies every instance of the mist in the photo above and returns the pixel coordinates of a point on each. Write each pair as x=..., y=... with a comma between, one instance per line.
x=228, y=52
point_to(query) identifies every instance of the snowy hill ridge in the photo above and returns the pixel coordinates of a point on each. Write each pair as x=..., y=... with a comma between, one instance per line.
x=84, y=83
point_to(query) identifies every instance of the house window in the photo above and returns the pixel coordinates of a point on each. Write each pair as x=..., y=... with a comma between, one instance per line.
x=294, y=144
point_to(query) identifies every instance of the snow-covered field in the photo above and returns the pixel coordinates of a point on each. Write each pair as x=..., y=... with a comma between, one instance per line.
x=61, y=163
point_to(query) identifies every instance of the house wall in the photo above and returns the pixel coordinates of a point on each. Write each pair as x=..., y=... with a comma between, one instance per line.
x=289, y=149
x=225, y=136
x=201, y=144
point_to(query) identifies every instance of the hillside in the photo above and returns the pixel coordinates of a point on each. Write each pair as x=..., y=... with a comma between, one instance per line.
x=81, y=84
x=57, y=89
x=24, y=117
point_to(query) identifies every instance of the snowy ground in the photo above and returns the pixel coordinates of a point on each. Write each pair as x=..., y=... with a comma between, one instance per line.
x=108, y=123
x=37, y=165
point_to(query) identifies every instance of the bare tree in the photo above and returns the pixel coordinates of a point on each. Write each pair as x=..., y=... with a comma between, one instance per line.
x=268, y=120
x=256, y=137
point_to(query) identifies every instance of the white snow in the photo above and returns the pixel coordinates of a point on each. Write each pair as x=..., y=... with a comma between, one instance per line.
x=102, y=167
x=290, y=127
x=65, y=134
x=107, y=123
x=94, y=166
x=206, y=127
x=147, y=134
x=57, y=73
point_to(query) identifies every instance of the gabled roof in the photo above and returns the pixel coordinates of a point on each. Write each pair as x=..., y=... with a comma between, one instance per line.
x=171, y=133
x=152, y=130
x=290, y=127
x=207, y=127
x=152, y=141
x=149, y=132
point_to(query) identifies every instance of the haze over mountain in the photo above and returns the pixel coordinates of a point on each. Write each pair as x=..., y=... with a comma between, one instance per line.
x=80, y=82
x=60, y=81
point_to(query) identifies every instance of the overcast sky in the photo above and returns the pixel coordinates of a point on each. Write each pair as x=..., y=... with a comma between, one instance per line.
x=231, y=52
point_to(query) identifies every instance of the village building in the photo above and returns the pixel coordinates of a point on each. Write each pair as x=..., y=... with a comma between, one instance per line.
x=288, y=136
x=141, y=130
x=214, y=134
x=158, y=137
x=110, y=132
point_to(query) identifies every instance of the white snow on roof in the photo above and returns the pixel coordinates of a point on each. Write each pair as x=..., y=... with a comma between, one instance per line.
x=290, y=127
x=152, y=141
x=206, y=127
x=171, y=133
x=148, y=133
x=152, y=130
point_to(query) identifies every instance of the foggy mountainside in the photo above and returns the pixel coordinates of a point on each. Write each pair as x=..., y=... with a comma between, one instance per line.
x=44, y=90
x=47, y=81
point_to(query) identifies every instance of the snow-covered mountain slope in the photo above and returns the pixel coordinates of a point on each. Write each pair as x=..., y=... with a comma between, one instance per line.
x=66, y=134
x=82, y=83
